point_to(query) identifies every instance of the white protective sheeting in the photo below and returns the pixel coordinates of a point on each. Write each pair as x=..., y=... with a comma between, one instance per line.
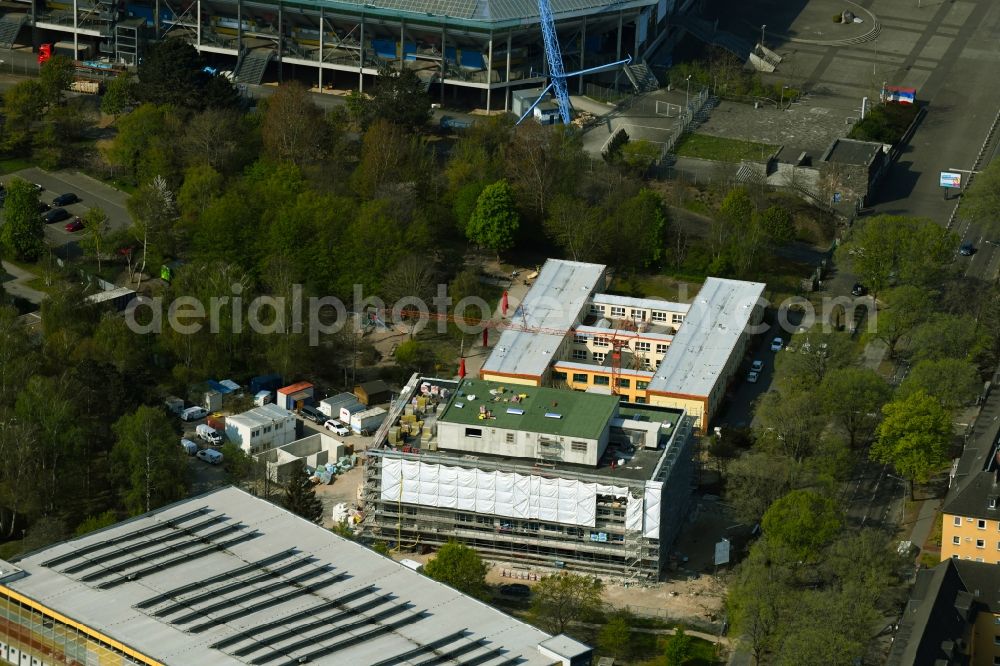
x=512, y=495
x=633, y=513
x=651, y=509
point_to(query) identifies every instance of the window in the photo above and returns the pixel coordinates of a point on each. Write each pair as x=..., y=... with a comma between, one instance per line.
x=601, y=342
x=956, y=540
x=464, y=517
x=601, y=380
x=642, y=346
x=473, y=432
x=659, y=316
x=996, y=659
x=599, y=357
x=996, y=639
x=993, y=502
x=640, y=401
x=596, y=309
x=581, y=377
x=677, y=319
x=958, y=521
x=579, y=354
x=509, y=437
x=624, y=383
x=558, y=376
x=580, y=339
x=980, y=543
x=981, y=524
x=617, y=311
x=661, y=349
x=996, y=619
x=979, y=559
x=580, y=447
x=641, y=385
x=484, y=520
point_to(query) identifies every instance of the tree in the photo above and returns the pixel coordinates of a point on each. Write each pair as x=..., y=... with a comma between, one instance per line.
x=818, y=353
x=908, y=307
x=853, y=397
x=543, y=162
x=787, y=422
x=300, y=496
x=56, y=75
x=171, y=72
x=95, y=230
x=577, y=227
x=153, y=215
x=22, y=106
x=640, y=156
x=99, y=521
x=949, y=336
x=293, y=129
x=145, y=144
x=615, y=636
x=981, y=201
x=23, y=233
x=202, y=183
x=778, y=224
x=565, y=598
x=952, y=382
x=635, y=233
x=914, y=436
x=119, y=95
x=390, y=157
x=679, y=649
x=115, y=344
x=222, y=139
x=495, y=221
x=147, y=460
x=18, y=358
x=799, y=524
x=461, y=567
x=755, y=481
x=398, y=96
x=757, y=602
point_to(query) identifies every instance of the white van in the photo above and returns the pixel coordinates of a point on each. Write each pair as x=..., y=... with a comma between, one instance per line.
x=189, y=447
x=211, y=456
x=207, y=433
x=194, y=414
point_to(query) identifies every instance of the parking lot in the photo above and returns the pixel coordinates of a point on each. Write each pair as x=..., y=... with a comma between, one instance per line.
x=91, y=192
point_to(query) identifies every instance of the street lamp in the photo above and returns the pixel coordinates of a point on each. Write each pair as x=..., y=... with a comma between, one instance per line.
x=687, y=95
x=763, y=27
x=781, y=104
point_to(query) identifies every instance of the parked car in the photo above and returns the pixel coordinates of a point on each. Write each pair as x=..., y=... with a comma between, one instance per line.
x=314, y=415
x=189, y=447
x=777, y=344
x=335, y=426
x=65, y=199
x=76, y=224
x=752, y=377
x=42, y=207
x=207, y=433
x=757, y=366
x=211, y=456
x=38, y=188
x=966, y=249
x=858, y=289
x=56, y=215
x=194, y=414
x=515, y=590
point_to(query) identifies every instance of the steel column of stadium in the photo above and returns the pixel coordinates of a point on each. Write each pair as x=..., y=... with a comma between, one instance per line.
x=444, y=60
x=361, y=55
x=402, y=43
x=281, y=45
x=583, y=49
x=322, y=28
x=199, y=26
x=156, y=20
x=76, y=32
x=618, y=47
x=506, y=91
x=489, y=72
x=239, y=30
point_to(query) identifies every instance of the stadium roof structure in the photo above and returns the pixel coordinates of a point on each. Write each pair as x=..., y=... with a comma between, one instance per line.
x=227, y=578
x=550, y=309
x=530, y=408
x=701, y=347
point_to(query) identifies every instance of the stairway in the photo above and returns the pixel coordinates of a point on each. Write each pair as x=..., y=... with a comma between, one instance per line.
x=10, y=26
x=706, y=31
x=642, y=77
x=252, y=66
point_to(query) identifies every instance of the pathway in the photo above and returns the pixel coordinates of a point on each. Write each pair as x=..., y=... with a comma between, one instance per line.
x=17, y=286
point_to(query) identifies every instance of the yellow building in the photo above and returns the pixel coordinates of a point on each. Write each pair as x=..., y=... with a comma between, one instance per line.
x=684, y=356
x=970, y=516
x=952, y=617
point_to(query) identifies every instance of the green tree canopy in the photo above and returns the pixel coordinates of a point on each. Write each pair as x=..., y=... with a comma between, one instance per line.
x=461, y=567
x=981, y=201
x=817, y=353
x=495, y=221
x=146, y=143
x=800, y=524
x=679, y=648
x=951, y=381
x=398, y=96
x=148, y=460
x=565, y=598
x=172, y=72
x=615, y=636
x=23, y=104
x=787, y=422
x=293, y=129
x=908, y=306
x=300, y=496
x=22, y=235
x=120, y=95
x=914, y=436
x=56, y=75
x=853, y=397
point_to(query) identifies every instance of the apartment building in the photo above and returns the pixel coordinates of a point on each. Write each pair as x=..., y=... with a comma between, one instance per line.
x=971, y=516
x=545, y=477
x=647, y=351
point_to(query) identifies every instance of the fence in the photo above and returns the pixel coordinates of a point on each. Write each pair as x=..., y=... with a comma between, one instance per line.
x=687, y=116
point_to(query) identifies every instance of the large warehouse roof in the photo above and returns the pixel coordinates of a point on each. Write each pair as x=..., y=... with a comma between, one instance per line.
x=227, y=578
x=551, y=308
x=704, y=342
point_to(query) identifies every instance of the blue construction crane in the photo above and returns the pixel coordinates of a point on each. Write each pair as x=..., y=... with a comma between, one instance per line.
x=557, y=74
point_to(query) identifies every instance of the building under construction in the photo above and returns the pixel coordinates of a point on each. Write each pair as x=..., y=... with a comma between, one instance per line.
x=546, y=477
x=487, y=47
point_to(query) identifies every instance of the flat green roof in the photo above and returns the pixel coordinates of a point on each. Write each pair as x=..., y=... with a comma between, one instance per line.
x=517, y=407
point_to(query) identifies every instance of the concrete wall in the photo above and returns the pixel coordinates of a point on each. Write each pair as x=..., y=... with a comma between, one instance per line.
x=521, y=444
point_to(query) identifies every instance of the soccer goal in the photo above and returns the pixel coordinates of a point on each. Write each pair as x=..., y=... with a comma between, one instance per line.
x=668, y=109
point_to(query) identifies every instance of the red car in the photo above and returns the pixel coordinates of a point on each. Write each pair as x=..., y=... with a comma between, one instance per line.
x=76, y=224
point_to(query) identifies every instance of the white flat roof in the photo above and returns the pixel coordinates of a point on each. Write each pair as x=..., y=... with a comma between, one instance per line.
x=260, y=416
x=610, y=333
x=227, y=578
x=703, y=343
x=640, y=303
x=552, y=307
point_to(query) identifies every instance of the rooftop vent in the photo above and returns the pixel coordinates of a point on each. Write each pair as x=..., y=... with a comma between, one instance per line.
x=515, y=411
x=459, y=405
x=552, y=415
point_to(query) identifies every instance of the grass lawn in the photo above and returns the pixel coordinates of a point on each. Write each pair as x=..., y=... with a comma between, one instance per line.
x=12, y=164
x=718, y=148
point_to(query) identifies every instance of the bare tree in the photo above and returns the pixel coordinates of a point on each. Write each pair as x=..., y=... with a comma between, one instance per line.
x=153, y=213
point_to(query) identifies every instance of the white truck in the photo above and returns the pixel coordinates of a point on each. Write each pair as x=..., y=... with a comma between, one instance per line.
x=207, y=433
